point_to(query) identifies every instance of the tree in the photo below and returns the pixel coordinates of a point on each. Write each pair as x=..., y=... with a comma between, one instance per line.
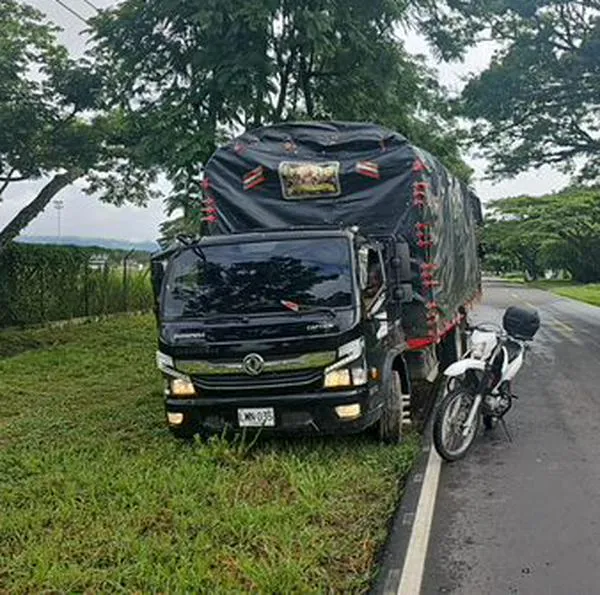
x=556, y=231
x=192, y=73
x=537, y=103
x=511, y=244
x=52, y=122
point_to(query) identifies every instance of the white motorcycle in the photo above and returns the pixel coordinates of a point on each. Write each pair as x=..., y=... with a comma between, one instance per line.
x=479, y=385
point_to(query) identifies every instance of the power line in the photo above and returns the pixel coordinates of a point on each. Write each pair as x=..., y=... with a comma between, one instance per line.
x=91, y=5
x=73, y=12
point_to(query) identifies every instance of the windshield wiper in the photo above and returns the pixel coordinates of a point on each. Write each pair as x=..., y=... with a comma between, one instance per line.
x=299, y=309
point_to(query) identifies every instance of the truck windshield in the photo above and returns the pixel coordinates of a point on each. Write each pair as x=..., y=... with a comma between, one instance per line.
x=258, y=277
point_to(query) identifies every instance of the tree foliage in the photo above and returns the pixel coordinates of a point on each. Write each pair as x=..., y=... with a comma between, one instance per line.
x=53, y=123
x=558, y=231
x=191, y=73
x=537, y=103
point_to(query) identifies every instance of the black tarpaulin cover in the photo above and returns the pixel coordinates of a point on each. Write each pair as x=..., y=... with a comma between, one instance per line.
x=346, y=174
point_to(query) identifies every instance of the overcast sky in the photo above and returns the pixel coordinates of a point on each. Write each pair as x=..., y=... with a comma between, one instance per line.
x=85, y=216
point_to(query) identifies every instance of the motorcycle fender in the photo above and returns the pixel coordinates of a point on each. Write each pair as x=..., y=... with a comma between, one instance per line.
x=461, y=366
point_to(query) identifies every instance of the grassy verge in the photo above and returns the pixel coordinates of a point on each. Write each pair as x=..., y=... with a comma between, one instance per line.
x=590, y=293
x=15, y=341
x=96, y=496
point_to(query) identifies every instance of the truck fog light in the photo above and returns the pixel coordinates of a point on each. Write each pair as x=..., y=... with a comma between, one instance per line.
x=182, y=387
x=338, y=378
x=175, y=419
x=348, y=411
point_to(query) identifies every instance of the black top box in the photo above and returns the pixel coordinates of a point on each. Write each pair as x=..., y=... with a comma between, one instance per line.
x=521, y=323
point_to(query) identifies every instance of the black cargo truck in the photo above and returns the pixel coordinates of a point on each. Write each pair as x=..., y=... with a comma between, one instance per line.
x=328, y=290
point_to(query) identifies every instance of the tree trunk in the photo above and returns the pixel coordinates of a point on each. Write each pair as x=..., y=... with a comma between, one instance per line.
x=27, y=214
x=306, y=88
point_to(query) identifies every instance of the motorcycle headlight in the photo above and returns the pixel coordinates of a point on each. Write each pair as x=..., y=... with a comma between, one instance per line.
x=350, y=369
x=478, y=350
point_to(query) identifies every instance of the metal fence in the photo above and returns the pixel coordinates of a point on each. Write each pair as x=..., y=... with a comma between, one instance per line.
x=47, y=283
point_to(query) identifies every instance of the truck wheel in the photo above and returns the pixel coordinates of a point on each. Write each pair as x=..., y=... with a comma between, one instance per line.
x=395, y=415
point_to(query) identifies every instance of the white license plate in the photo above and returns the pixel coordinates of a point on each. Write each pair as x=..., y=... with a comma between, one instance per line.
x=256, y=418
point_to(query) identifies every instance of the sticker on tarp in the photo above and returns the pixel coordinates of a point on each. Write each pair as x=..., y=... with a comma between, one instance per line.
x=302, y=180
x=254, y=178
x=368, y=168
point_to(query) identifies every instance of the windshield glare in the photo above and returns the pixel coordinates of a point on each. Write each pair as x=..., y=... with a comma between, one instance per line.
x=256, y=277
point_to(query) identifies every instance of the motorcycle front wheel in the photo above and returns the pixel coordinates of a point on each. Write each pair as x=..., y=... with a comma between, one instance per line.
x=449, y=425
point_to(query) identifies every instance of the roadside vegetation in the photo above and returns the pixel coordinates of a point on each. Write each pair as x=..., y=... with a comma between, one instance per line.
x=590, y=294
x=558, y=232
x=41, y=283
x=527, y=237
x=96, y=495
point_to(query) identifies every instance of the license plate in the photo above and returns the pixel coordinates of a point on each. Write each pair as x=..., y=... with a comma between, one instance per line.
x=256, y=418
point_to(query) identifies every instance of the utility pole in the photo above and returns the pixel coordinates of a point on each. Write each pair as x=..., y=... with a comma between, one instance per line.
x=59, y=205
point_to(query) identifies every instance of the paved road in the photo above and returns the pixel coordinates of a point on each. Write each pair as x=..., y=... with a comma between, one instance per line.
x=524, y=518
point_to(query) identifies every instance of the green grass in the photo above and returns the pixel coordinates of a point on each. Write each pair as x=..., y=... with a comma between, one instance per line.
x=590, y=293
x=96, y=496
x=16, y=341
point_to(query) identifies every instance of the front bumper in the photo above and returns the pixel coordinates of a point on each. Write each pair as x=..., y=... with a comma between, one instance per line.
x=312, y=413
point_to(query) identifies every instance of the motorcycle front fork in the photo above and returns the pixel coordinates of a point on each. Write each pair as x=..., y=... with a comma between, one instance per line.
x=473, y=414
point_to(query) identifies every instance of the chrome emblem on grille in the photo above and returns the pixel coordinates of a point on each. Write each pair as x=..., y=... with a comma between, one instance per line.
x=253, y=364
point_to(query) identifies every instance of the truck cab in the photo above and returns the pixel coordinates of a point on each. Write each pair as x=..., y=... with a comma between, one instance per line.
x=288, y=331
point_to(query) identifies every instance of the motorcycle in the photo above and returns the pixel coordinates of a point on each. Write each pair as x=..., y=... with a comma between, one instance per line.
x=479, y=385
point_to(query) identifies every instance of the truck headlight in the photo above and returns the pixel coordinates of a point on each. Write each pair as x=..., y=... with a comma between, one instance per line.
x=182, y=387
x=338, y=378
x=350, y=369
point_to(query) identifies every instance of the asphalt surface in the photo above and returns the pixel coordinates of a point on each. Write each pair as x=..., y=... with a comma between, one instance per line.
x=524, y=517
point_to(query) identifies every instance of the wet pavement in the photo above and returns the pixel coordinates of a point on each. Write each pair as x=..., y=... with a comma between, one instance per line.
x=524, y=517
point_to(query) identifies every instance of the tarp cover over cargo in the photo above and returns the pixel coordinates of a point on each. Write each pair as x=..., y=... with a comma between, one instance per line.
x=348, y=174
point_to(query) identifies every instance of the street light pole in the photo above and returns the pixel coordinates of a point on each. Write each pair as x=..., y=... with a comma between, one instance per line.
x=59, y=205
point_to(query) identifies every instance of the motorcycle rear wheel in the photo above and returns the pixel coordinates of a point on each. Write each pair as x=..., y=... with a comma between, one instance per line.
x=448, y=425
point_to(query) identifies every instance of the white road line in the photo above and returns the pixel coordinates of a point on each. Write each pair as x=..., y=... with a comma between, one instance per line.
x=562, y=325
x=414, y=564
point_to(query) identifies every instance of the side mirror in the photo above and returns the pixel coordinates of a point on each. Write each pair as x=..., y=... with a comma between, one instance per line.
x=401, y=262
x=157, y=271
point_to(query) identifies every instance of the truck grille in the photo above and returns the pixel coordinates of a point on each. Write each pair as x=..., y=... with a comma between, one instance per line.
x=274, y=383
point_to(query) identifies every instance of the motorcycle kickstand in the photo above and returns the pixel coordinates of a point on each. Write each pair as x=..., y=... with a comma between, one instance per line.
x=503, y=424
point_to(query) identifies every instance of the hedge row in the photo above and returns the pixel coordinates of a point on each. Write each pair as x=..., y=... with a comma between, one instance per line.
x=41, y=283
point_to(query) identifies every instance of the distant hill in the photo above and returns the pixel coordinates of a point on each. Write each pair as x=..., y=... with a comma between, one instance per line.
x=109, y=244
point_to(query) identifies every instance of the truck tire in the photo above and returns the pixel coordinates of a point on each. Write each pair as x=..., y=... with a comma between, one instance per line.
x=395, y=417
